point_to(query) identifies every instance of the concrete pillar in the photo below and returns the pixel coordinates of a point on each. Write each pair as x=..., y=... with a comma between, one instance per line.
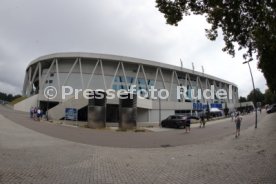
x=128, y=111
x=97, y=110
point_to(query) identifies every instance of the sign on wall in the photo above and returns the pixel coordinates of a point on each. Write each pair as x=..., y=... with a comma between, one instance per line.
x=216, y=105
x=201, y=106
x=71, y=114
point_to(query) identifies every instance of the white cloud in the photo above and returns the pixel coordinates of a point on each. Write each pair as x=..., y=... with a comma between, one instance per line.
x=33, y=28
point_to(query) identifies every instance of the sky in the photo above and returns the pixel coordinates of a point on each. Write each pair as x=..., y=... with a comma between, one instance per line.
x=33, y=28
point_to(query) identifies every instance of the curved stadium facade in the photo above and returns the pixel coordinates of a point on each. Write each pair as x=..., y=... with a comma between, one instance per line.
x=102, y=71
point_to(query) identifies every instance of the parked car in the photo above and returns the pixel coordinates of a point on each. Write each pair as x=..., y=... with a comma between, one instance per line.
x=271, y=108
x=174, y=121
x=194, y=119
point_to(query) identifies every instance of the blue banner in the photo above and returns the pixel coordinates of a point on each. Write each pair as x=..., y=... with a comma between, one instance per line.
x=71, y=114
x=216, y=105
x=199, y=106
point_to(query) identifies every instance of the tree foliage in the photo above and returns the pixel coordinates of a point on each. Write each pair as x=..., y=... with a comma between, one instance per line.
x=8, y=97
x=259, y=96
x=242, y=99
x=249, y=23
x=269, y=97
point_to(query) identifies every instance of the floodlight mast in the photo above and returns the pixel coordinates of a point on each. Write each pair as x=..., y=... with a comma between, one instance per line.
x=254, y=92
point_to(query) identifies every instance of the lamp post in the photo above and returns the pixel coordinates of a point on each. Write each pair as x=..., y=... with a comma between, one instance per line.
x=47, y=108
x=255, y=97
x=159, y=111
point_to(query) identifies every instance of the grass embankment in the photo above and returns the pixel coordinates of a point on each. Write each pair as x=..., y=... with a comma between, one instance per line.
x=15, y=101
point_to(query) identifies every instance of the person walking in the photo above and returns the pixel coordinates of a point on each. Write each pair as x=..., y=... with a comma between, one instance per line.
x=35, y=113
x=202, y=121
x=232, y=116
x=238, y=120
x=31, y=112
x=188, y=125
x=39, y=113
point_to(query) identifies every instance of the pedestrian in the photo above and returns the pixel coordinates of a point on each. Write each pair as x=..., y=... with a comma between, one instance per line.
x=232, y=116
x=35, y=113
x=238, y=120
x=188, y=124
x=202, y=121
x=38, y=114
x=31, y=112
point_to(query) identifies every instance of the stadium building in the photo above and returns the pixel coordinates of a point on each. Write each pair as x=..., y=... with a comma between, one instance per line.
x=103, y=71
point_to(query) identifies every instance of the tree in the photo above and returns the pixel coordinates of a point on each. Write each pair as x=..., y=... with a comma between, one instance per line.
x=8, y=97
x=249, y=23
x=269, y=97
x=259, y=96
x=242, y=99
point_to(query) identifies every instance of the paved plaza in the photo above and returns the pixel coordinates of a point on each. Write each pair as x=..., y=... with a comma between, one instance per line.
x=29, y=156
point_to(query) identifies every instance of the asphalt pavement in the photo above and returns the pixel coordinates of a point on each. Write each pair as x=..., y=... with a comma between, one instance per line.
x=213, y=131
x=28, y=156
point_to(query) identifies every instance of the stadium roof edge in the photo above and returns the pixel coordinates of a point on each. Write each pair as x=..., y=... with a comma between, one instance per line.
x=125, y=59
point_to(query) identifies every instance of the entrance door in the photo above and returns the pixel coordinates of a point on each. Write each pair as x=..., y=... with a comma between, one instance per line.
x=112, y=113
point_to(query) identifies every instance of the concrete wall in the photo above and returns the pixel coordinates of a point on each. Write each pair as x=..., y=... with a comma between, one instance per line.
x=154, y=114
x=58, y=111
x=142, y=115
x=25, y=105
x=109, y=67
x=244, y=104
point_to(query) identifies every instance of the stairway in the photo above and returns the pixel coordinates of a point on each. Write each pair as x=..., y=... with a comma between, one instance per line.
x=58, y=112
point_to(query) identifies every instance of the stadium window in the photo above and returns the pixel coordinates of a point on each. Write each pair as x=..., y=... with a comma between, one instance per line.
x=123, y=87
x=150, y=82
x=141, y=87
x=115, y=79
x=122, y=79
x=130, y=79
x=141, y=81
x=115, y=87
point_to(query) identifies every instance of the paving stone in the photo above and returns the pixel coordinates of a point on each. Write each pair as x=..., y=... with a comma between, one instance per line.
x=28, y=157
